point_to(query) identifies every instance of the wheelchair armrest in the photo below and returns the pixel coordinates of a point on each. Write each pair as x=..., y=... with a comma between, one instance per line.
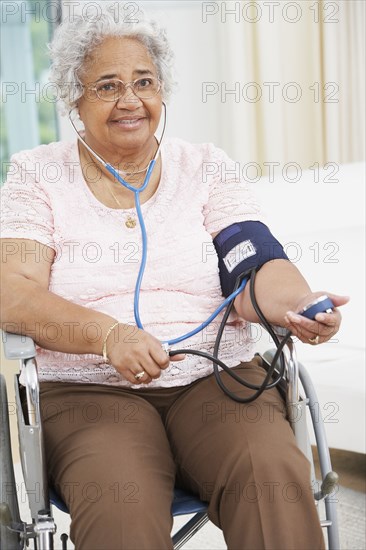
x=17, y=346
x=30, y=432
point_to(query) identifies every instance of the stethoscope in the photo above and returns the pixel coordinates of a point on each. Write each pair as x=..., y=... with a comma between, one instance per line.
x=227, y=303
x=136, y=191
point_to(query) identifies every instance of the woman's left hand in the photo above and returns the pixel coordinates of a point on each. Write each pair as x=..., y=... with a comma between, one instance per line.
x=325, y=325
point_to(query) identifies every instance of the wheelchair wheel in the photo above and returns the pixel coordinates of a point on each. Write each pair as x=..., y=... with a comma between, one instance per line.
x=9, y=508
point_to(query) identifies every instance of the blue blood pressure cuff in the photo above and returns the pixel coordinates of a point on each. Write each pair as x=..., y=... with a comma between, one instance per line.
x=242, y=247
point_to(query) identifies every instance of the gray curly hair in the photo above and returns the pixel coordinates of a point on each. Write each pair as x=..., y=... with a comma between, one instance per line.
x=76, y=37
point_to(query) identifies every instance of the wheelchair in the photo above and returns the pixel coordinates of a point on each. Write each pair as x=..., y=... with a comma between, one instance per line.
x=16, y=534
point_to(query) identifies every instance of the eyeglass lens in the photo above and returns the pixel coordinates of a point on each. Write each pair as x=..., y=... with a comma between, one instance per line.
x=112, y=90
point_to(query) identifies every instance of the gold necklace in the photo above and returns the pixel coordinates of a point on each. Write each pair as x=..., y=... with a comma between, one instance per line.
x=131, y=220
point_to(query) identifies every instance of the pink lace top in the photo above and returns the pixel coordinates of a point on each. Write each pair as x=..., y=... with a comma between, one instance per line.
x=97, y=258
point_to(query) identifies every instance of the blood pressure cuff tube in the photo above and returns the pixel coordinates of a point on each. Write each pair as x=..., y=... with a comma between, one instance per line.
x=242, y=247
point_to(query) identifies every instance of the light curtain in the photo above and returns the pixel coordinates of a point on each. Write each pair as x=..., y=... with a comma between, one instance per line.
x=307, y=59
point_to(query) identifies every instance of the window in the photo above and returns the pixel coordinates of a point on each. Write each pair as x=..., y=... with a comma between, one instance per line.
x=28, y=113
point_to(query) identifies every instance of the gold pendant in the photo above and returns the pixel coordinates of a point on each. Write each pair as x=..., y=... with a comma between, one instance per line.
x=130, y=222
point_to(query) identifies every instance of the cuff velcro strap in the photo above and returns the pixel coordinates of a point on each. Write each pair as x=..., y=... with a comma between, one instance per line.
x=242, y=247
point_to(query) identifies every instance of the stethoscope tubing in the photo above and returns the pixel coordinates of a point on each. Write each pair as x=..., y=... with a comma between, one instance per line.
x=228, y=302
x=136, y=191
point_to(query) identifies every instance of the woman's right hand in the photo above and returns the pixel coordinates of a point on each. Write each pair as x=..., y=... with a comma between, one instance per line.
x=132, y=351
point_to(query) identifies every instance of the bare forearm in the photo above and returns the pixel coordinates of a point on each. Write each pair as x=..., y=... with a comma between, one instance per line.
x=59, y=325
x=53, y=322
x=279, y=287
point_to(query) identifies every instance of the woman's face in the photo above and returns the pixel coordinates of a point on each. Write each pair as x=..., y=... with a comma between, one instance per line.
x=126, y=126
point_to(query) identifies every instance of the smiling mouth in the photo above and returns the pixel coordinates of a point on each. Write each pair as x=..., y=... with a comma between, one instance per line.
x=129, y=122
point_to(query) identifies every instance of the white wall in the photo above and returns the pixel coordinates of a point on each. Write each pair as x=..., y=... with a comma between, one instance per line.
x=193, y=43
x=301, y=48
x=325, y=238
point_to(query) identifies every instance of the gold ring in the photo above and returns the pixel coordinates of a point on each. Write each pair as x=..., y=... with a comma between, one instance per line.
x=140, y=375
x=314, y=340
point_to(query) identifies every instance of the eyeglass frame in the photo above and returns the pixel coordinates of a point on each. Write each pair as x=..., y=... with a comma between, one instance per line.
x=93, y=87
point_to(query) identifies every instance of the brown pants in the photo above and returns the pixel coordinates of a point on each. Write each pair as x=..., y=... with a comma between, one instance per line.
x=114, y=456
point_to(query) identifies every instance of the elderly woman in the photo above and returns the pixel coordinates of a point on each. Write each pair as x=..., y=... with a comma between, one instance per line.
x=124, y=422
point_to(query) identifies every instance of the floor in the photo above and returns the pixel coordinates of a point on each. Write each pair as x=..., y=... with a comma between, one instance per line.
x=351, y=508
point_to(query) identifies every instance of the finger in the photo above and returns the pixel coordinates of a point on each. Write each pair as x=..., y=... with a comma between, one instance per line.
x=313, y=326
x=306, y=336
x=314, y=341
x=318, y=335
x=338, y=300
x=306, y=330
x=129, y=375
x=151, y=366
x=159, y=357
x=178, y=357
x=330, y=319
x=301, y=334
x=140, y=376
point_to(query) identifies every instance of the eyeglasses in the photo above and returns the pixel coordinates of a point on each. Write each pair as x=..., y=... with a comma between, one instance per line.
x=112, y=90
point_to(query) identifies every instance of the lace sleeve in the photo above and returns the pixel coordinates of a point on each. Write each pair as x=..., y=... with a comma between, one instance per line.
x=230, y=198
x=25, y=206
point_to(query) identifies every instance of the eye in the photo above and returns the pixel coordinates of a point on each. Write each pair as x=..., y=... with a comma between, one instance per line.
x=144, y=82
x=110, y=86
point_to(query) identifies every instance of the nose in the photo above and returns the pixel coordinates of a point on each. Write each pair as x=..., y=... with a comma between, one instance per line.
x=129, y=99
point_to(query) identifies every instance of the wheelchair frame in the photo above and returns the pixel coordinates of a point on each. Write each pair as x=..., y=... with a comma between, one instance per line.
x=15, y=533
